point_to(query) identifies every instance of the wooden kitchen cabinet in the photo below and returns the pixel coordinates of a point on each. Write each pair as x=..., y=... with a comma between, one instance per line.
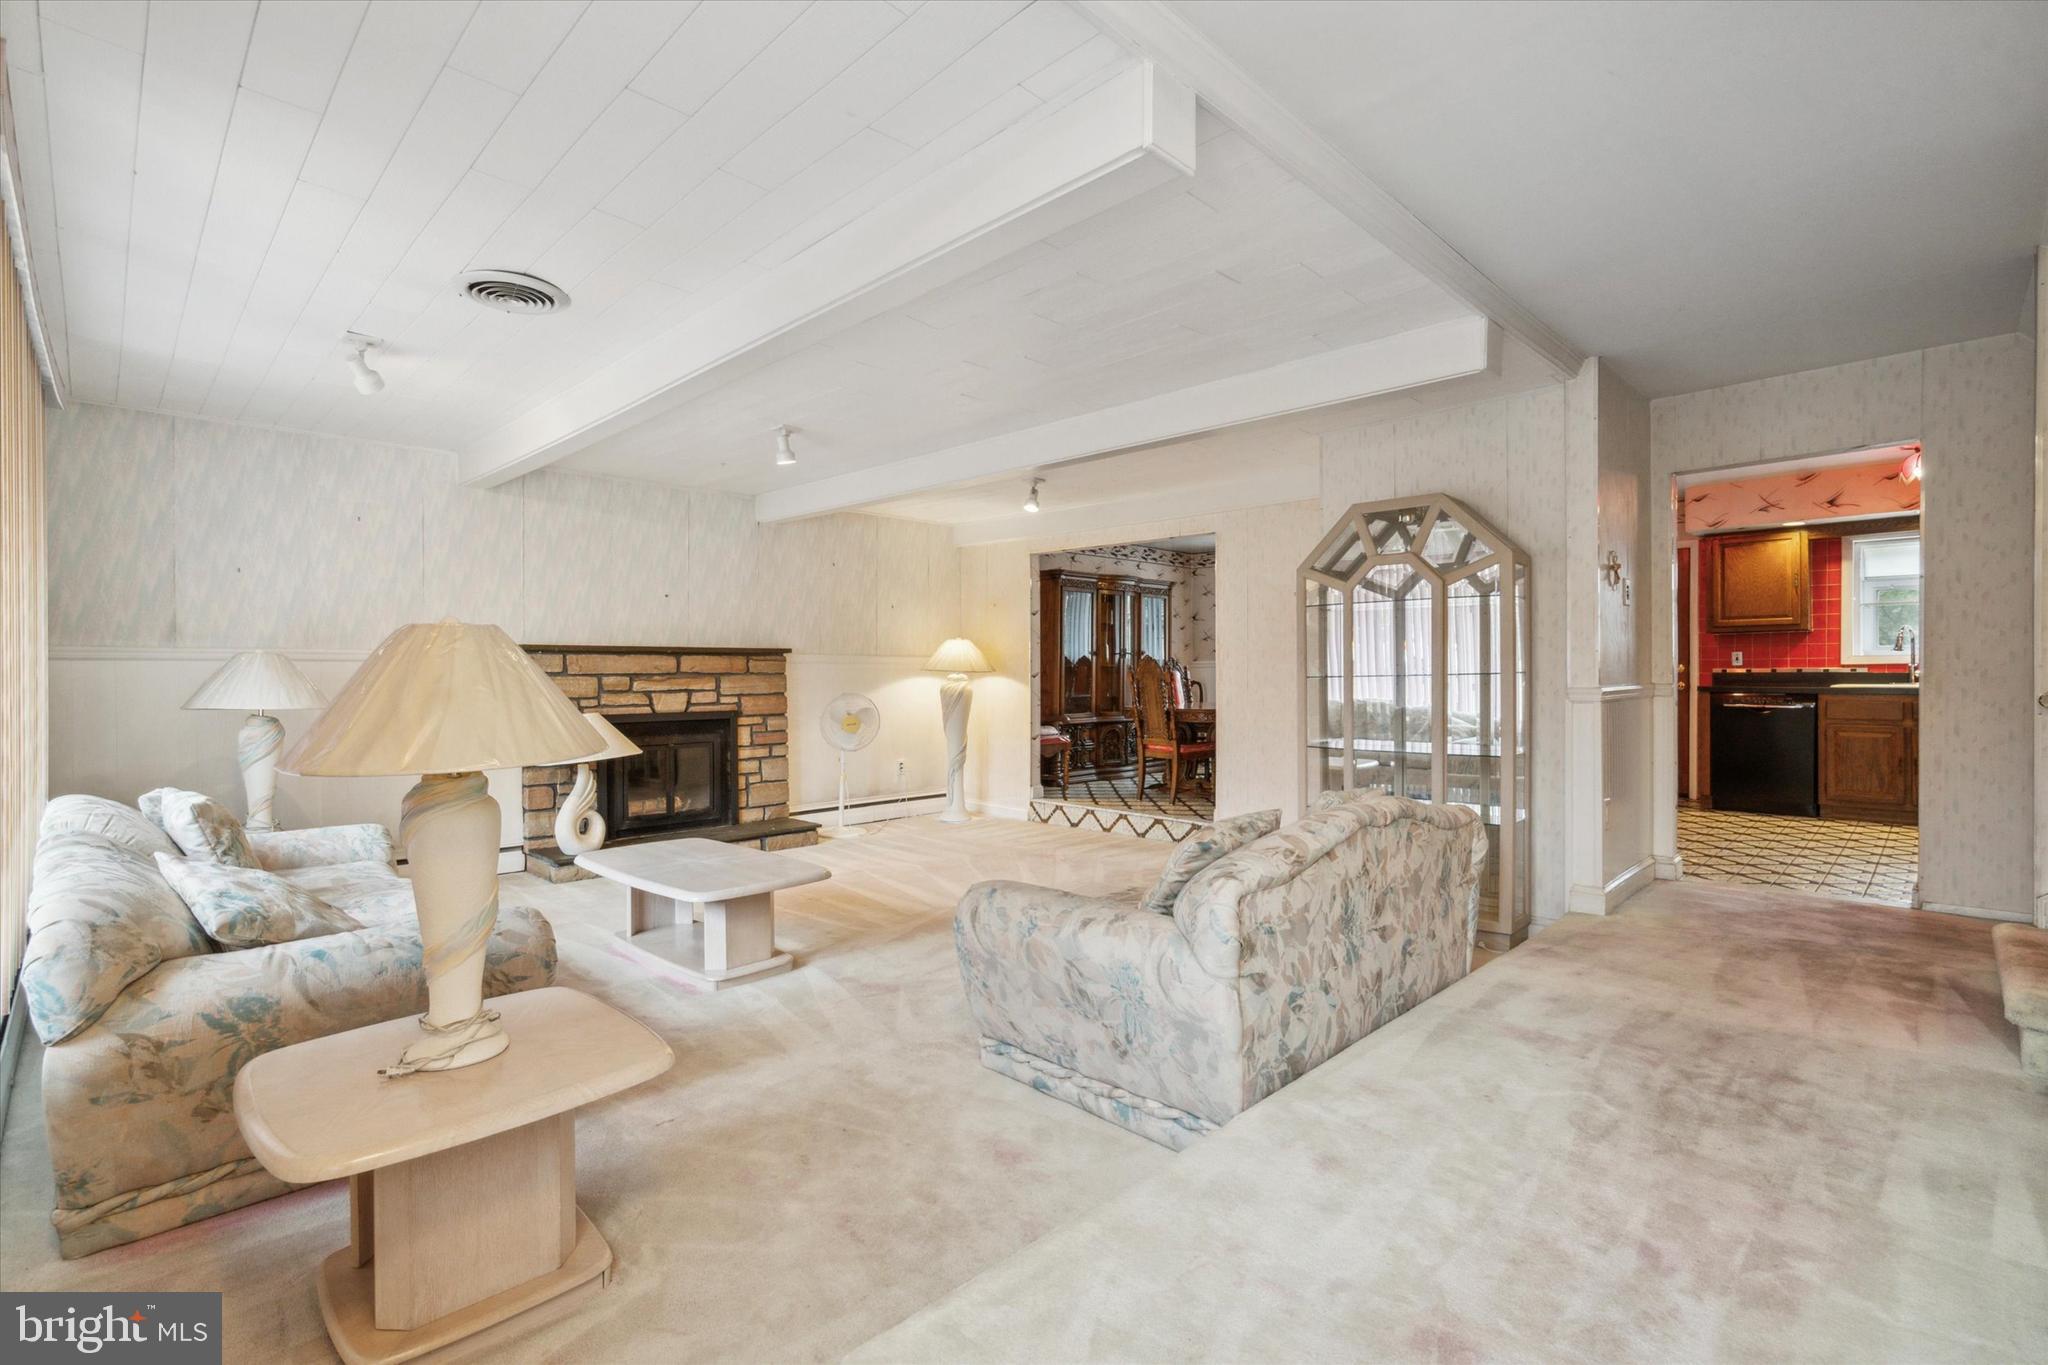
x=1758, y=581
x=1870, y=759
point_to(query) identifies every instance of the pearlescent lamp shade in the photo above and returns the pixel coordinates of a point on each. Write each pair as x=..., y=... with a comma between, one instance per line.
x=444, y=698
x=616, y=745
x=257, y=680
x=957, y=655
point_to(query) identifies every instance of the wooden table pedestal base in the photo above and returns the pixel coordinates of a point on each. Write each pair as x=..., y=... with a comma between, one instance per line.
x=347, y=1306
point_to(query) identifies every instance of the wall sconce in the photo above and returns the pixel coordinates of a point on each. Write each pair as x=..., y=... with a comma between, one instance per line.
x=1611, y=571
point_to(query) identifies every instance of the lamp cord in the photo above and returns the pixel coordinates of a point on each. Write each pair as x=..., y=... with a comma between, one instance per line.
x=439, y=1061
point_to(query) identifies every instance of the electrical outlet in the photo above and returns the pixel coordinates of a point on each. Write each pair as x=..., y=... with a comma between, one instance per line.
x=901, y=769
x=1735, y=659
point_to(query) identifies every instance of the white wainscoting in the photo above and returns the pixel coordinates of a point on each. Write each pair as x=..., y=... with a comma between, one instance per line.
x=908, y=698
x=117, y=729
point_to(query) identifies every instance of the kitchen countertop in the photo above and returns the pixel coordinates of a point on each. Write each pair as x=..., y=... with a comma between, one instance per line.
x=1864, y=684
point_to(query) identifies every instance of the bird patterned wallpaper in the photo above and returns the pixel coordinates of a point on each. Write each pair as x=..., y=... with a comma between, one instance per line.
x=1878, y=487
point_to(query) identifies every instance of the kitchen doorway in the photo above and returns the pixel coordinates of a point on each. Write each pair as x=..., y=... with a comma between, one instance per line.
x=1798, y=683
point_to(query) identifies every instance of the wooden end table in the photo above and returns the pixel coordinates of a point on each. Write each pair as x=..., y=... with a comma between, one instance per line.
x=675, y=883
x=462, y=1184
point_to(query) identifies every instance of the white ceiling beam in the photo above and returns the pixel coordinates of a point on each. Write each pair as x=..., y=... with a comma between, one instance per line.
x=1456, y=349
x=1282, y=481
x=1153, y=29
x=1131, y=133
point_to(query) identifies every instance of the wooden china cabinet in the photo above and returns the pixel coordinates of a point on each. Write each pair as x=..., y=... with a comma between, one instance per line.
x=1093, y=629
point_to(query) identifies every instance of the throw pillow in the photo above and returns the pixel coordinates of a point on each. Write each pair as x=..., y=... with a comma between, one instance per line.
x=124, y=825
x=1204, y=847
x=203, y=828
x=246, y=907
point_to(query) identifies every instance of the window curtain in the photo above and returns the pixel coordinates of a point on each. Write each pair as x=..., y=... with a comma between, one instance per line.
x=24, y=669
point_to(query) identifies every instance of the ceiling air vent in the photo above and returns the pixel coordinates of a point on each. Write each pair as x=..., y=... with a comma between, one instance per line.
x=511, y=291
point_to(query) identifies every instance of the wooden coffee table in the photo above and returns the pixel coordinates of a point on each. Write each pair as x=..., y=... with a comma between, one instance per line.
x=675, y=883
x=462, y=1184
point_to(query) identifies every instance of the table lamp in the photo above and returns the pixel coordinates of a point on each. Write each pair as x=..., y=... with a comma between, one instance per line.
x=578, y=826
x=447, y=701
x=258, y=681
x=956, y=659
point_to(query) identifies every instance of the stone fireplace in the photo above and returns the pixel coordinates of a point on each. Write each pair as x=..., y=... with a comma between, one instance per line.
x=713, y=725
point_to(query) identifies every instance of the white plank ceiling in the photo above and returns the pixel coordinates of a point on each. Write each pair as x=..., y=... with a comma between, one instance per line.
x=217, y=190
x=1234, y=269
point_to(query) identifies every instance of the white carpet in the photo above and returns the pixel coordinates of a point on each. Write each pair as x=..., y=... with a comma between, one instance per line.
x=826, y=1156
x=1724, y=1125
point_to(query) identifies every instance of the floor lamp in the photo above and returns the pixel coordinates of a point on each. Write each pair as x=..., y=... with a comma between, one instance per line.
x=258, y=681
x=956, y=659
x=447, y=701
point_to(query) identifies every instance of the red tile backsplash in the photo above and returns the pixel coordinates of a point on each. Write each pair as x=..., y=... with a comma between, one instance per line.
x=1820, y=647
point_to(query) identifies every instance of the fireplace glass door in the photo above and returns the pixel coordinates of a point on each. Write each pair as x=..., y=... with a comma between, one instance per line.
x=682, y=778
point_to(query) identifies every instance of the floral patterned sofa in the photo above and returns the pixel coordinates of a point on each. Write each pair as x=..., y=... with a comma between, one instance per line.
x=1173, y=1013
x=145, y=1020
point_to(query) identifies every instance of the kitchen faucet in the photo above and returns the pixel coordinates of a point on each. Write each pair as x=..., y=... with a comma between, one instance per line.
x=1909, y=638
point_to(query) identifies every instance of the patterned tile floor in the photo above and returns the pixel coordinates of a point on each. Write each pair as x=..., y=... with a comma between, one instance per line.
x=1121, y=793
x=1832, y=857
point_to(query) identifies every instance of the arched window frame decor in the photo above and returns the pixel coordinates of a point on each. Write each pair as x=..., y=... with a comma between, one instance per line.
x=1379, y=651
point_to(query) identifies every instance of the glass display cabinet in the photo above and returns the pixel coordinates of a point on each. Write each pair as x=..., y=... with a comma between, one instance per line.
x=1414, y=649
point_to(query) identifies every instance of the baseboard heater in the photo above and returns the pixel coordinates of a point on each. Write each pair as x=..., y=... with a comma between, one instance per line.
x=870, y=803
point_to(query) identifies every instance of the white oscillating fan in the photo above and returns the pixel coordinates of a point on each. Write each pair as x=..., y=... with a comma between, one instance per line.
x=850, y=723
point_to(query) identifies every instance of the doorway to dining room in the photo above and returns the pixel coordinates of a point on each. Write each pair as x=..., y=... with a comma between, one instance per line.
x=1124, y=686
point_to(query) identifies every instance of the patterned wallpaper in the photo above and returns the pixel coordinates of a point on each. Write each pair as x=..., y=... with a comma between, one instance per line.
x=1971, y=405
x=1878, y=488
x=1193, y=575
x=177, y=532
x=1503, y=457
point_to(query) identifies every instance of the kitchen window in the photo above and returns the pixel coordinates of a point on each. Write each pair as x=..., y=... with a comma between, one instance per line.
x=1880, y=596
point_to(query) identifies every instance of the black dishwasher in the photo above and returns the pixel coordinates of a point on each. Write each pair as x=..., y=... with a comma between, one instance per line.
x=1764, y=753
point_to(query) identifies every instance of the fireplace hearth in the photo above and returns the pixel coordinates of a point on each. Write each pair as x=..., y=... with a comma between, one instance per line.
x=684, y=777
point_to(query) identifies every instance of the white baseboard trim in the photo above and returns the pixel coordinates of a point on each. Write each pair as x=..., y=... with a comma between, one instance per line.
x=1583, y=899
x=1670, y=869
x=1977, y=912
x=999, y=811
x=1629, y=882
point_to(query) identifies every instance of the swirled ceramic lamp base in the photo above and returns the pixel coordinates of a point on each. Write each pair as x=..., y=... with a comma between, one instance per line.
x=955, y=697
x=449, y=831
x=256, y=749
x=578, y=826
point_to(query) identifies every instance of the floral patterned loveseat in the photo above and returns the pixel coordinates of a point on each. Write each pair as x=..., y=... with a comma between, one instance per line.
x=1271, y=960
x=145, y=1021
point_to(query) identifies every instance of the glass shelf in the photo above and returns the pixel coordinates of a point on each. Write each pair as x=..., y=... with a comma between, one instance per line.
x=1414, y=612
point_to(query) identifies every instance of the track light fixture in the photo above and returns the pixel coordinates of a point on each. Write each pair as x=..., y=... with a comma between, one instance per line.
x=784, y=453
x=367, y=380
x=1031, y=498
